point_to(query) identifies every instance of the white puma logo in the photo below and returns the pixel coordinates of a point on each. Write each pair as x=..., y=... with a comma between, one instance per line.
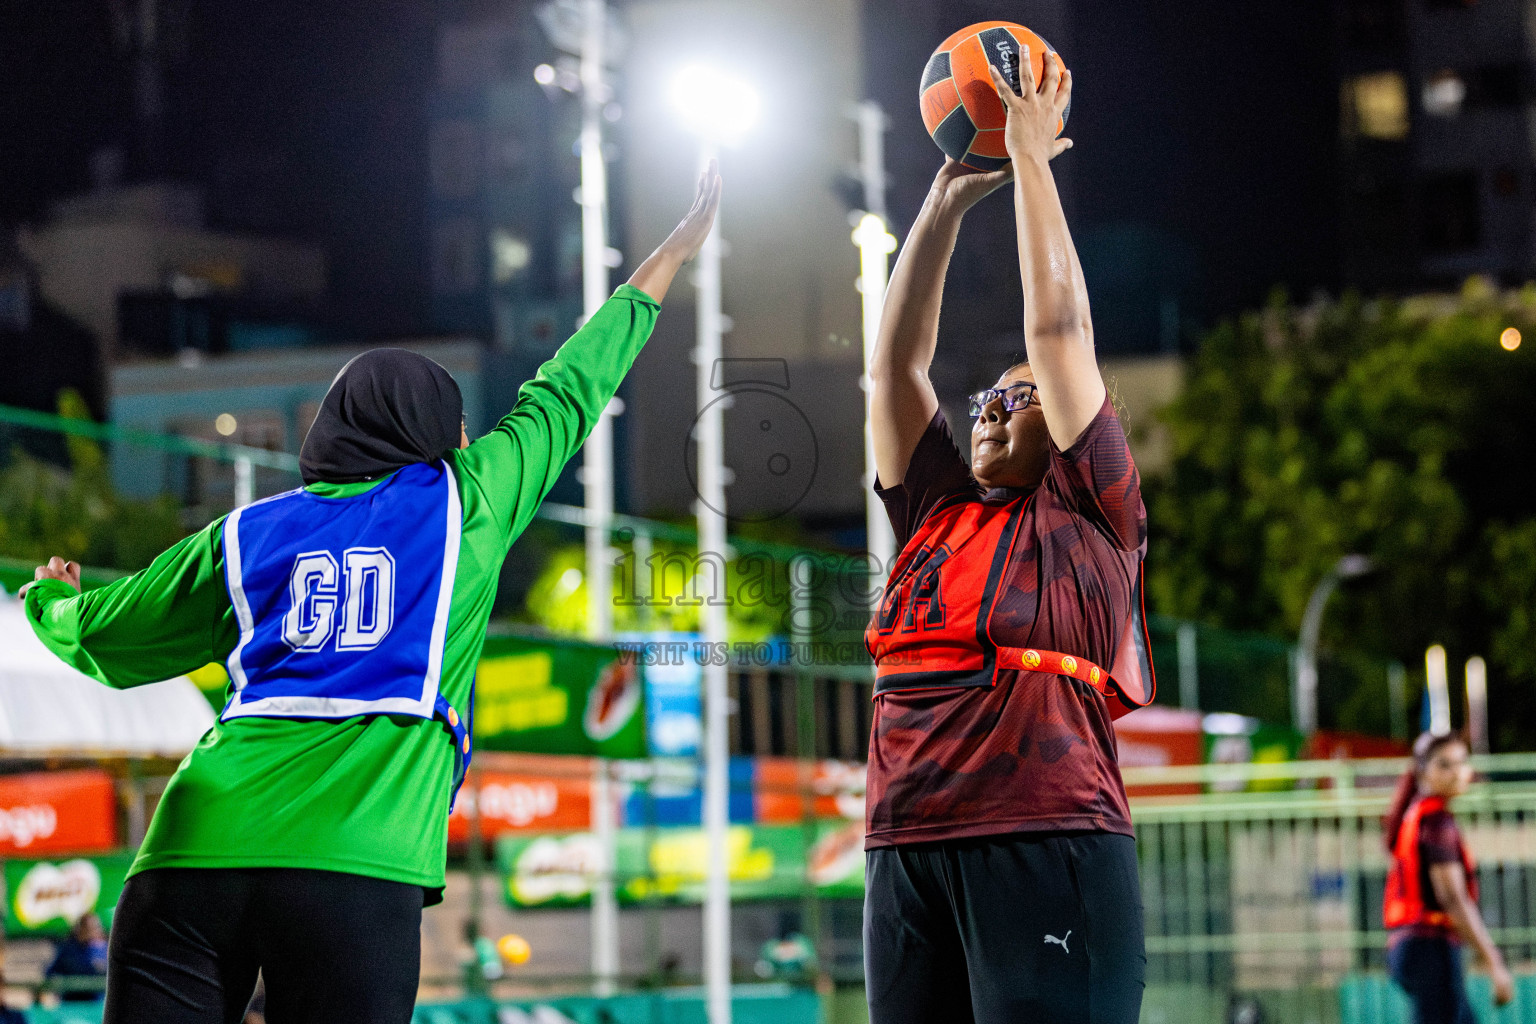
x=1062, y=942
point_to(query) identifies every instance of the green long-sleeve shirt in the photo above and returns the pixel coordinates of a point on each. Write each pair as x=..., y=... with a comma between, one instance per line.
x=366, y=795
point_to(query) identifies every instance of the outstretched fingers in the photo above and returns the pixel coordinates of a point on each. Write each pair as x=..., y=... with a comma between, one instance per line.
x=1064, y=92
x=1050, y=81
x=1011, y=100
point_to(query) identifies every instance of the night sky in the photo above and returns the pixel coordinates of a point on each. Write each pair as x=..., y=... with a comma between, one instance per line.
x=1205, y=138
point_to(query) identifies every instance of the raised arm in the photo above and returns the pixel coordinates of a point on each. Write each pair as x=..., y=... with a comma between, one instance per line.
x=169, y=618
x=1058, y=332
x=901, y=398
x=513, y=467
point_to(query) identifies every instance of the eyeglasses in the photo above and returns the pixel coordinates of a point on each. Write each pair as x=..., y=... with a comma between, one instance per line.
x=1014, y=396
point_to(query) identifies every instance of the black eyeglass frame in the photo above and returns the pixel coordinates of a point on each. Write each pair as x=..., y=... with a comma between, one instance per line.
x=1009, y=395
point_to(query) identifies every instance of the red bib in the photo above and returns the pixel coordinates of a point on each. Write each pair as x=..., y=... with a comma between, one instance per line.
x=932, y=628
x=1404, y=903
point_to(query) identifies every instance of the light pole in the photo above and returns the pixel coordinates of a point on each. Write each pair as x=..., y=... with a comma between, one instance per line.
x=1437, y=686
x=1304, y=699
x=718, y=109
x=876, y=243
x=597, y=472
x=1477, y=704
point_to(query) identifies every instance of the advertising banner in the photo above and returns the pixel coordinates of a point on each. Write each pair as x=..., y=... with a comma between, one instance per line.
x=836, y=790
x=668, y=864
x=558, y=697
x=763, y=790
x=43, y=813
x=674, y=673
x=47, y=897
x=526, y=801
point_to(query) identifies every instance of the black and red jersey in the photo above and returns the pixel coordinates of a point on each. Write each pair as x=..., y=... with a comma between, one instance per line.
x=969, y=740
x=1428, y=835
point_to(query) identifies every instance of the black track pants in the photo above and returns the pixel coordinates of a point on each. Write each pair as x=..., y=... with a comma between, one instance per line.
x=336, y=948
x=1005, y=930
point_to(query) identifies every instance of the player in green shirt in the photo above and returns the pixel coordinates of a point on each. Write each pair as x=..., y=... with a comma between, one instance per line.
x=298, y=839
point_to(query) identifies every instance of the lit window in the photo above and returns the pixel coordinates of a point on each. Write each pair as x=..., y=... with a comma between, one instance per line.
x=1376, y=106
x=1444, y=93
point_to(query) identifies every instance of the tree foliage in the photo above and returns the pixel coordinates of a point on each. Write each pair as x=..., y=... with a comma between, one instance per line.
x=1400, y=430
x=74, y=512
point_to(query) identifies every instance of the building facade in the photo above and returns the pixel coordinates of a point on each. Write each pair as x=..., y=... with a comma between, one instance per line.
x=1438, y=168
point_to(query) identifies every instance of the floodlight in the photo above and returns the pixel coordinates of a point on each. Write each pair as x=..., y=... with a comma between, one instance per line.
x=714, y=105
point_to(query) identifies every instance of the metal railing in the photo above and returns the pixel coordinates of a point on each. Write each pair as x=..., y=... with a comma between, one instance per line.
x=1280, y=889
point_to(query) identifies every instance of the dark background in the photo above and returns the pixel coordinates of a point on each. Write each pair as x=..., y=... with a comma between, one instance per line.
x=1202, y=175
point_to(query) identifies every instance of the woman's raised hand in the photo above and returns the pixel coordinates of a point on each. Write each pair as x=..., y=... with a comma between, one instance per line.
x=957, y=188
x=1034, y=117
x=655, y=275
x=688, y=237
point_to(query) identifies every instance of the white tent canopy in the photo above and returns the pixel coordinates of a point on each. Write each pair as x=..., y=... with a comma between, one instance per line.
x=48, y=707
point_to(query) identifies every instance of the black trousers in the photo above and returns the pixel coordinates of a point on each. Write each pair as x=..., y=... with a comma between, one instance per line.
x=1429, y=969
x=332, y=948
x=1005, y=930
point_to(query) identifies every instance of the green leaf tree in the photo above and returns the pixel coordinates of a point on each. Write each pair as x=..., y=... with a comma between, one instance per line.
x=1401, y=430
x=74, y=512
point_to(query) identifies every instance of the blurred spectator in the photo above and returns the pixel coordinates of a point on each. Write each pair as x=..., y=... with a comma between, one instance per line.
x=83, y=954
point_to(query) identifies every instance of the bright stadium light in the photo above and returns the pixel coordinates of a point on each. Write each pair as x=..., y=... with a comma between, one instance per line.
x=715, y=106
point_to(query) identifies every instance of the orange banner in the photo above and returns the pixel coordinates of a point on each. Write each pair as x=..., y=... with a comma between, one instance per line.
x=837, y=790
x=45, y=813
x=519, y=801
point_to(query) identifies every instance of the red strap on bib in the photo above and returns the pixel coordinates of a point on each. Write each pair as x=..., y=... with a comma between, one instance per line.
x=1030, y=659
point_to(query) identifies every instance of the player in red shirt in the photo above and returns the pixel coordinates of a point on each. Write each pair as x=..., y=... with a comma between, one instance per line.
x=1001, y=864
x=1431, y=898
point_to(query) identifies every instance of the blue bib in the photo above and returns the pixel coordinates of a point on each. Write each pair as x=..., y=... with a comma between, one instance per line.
x=343, y=602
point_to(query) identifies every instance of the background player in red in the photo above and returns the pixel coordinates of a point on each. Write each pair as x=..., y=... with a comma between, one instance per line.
x=1431, y=899
x=1001, y=864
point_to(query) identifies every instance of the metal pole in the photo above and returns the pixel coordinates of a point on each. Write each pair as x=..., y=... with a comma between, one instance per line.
x=597, y=473
x=245, y=481
x=1477, y=704
x=597, y=462
x=1437, y=681
x=1304, y=696
x=805, y=732
x=711, y=526
x=875, y=246
x=475, y=980
x=1189, y=667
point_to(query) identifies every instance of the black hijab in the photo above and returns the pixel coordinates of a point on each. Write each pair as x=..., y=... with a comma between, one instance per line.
x=387, y=408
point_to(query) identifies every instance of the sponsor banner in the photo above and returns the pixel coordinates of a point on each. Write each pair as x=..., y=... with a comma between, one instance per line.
x=516, y=801
x=674, y=794
x=674, y=722
x=1237, y=739
x=47, y=897
x=669, y=864
x=44, y=813
x=558, y=697
x=763, y=790
x=837, y=790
